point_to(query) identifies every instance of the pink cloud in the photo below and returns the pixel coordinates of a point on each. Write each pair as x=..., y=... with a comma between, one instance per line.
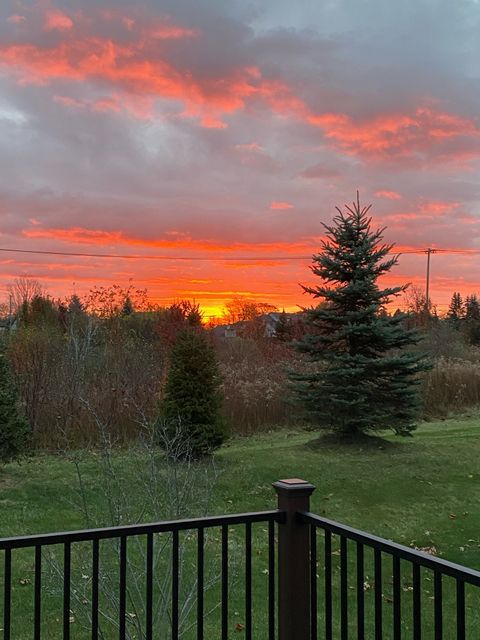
x=69, y=102
x=211, y=122
x=172, y=32
x=251, y=147
x=128, y=22
x=107, y=104
x=55, y=19
x=389, y=195
x=16, y=19
x=279, y=205
x=438, y=207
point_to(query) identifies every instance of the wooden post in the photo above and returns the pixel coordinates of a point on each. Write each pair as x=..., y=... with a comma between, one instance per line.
x=293, y=560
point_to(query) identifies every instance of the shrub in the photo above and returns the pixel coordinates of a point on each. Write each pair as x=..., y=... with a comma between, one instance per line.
x=14, y=430
x=192, y=399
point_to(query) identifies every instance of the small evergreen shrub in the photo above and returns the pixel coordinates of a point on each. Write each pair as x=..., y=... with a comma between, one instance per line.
x=192, y=400
x=14, y=429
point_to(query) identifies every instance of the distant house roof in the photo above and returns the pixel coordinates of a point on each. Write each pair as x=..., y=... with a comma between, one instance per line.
x=10, y=322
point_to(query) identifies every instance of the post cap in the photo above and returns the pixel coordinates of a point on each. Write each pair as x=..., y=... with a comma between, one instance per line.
x=293, y=485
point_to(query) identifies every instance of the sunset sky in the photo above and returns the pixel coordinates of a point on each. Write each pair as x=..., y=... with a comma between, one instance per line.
x=221, y=129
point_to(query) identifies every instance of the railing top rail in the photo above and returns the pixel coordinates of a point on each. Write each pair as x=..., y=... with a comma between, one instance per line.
x=393, y=548
x=167, y=526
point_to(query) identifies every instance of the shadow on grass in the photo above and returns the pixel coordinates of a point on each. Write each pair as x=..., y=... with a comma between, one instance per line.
x=356, y=442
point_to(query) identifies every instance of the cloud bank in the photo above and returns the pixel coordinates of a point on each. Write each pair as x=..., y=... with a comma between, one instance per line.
x=233, y=130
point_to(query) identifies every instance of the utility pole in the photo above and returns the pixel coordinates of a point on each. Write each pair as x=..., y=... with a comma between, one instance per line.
x=429, y=252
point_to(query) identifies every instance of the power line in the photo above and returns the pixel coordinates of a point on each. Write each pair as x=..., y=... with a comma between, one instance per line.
x=212, y=258
x=154, y=257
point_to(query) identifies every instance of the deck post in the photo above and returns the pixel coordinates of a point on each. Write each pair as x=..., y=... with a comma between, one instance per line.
x=293, y=560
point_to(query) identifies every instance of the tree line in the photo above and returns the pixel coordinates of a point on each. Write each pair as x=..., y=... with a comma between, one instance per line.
x=113, y=363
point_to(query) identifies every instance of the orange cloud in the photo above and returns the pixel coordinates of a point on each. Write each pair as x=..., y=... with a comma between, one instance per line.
x=399, y=134
x=139, y=71
x=132, y=70
x=211, y=122
x=100, y=237
x=383, y=136
x=281, y=205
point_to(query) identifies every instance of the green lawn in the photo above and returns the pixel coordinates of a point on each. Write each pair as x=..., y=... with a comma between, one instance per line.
x=422, y=491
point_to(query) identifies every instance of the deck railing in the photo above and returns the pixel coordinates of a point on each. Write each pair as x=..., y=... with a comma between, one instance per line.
x=320, y=580
x=406, y=573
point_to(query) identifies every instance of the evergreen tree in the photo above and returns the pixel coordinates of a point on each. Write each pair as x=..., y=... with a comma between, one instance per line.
x=472, y=319
x=75, y=306
x=14, y=431
x=283, y=328
x=192, y=399
x=472, y=308
x=362, y=378
x=456, y=309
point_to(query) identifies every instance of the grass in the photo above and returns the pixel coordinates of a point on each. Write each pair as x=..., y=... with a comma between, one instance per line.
x=421, y=491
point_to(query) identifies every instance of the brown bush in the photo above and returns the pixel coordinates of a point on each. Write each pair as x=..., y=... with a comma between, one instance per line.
x=451, y=386
x=97, y=375
x=255, y=384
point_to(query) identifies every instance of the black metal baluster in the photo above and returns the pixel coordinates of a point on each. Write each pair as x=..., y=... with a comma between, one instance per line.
x=7, y=594
x=343, y=589
x=66, y=589
x=224, y=582
x=200, y=581
x=378, y=594
x=438, y=605
x=397, y=617
x=313, y=581
x=271, y=580
x=95, y=575
x=360, y=593
x=123, y=588
x=149, y=588
x=417, y=603
x=460, y=610
x=38, y=593
x=175, y=561
x=248, y=581
x=328, y=585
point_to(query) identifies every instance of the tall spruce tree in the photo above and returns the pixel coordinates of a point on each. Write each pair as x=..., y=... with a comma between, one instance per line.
x=363, y=379
x=192, y=402
x=14, y=430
